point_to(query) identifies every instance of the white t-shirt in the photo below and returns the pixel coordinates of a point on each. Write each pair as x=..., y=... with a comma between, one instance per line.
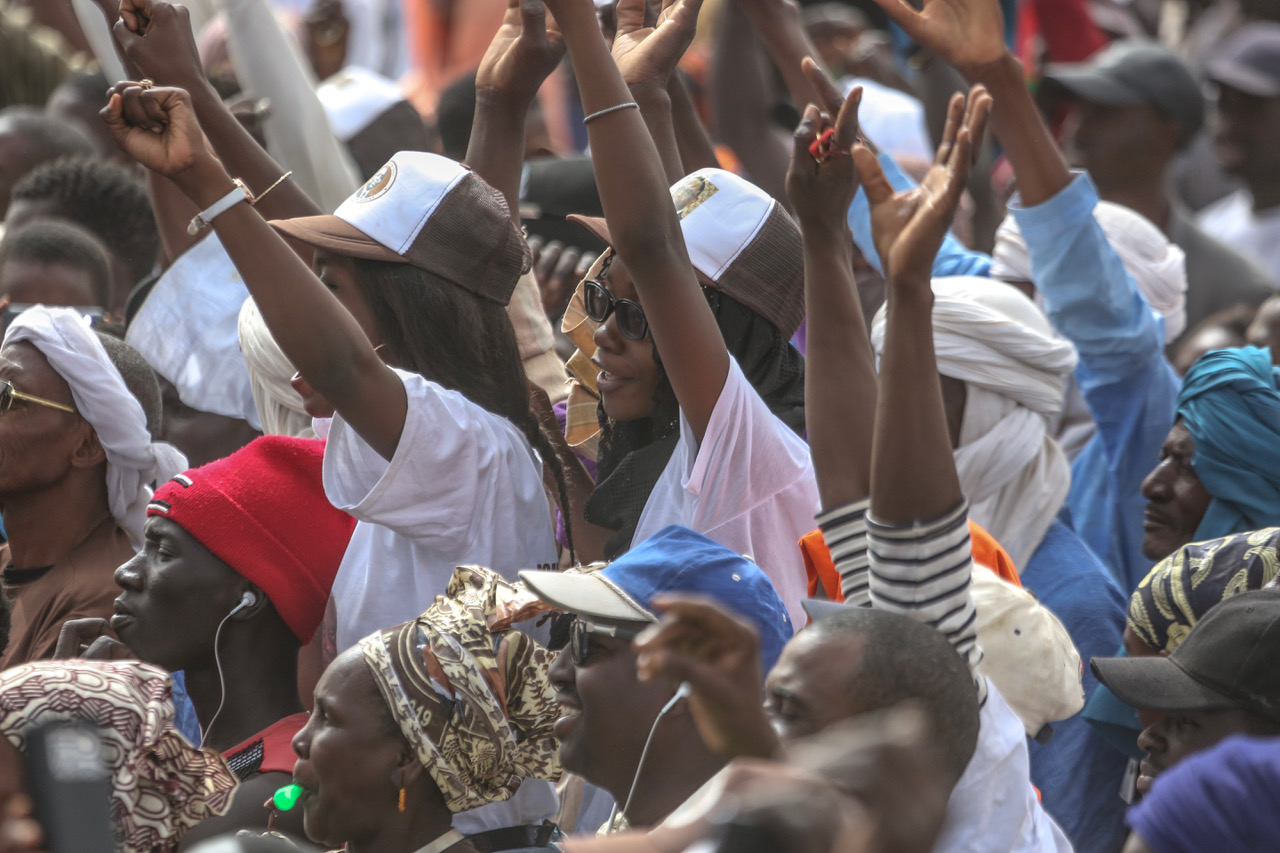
x=993, y=808
x=750, y=487
x=1231, y=220
x=464, y=487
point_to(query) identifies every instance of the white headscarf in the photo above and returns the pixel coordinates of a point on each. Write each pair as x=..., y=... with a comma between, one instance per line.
x=991, y=337
x=1158, y=266
x=134, y=461
x=280, y=407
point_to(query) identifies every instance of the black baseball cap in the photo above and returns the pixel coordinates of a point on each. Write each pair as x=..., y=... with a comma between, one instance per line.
x=1228, y=660
x=1249, y=60
x=1133, y=72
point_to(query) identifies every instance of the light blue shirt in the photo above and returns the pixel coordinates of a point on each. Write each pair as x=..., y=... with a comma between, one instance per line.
x=1129, y=385
x=1078, y=772
x=1127, y=382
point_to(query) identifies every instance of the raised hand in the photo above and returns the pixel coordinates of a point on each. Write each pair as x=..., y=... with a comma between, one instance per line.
x=527, y=47
x=908, y=227
x=157, y=127
x=647, y=54
x=157, y=38
x=822, y=190
x=967, y=33
x=719, y=656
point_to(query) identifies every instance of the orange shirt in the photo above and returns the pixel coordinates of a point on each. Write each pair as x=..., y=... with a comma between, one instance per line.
x=821, y=570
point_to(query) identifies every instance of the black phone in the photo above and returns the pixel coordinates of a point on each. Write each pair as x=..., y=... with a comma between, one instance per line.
x=70, y=788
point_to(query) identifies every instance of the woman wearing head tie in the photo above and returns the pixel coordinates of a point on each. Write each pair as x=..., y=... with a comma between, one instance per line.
x=439, y=715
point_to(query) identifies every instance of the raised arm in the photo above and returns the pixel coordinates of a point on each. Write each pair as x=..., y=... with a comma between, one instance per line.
x=970, y=35
x=778, y=24
x=158, y=128
x=840, y=372
x=157, y=38
x=696, y=150
x=1090, y=297
x=526, y=48
x=642, y=219
x=917, y=526
x=913, y=474
x=648, y=67
x=741, y=102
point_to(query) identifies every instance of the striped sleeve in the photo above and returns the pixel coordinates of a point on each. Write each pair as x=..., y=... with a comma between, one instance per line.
x=844, y=529
x=923, y=571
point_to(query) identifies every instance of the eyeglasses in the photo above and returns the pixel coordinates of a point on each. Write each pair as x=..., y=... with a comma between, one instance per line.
x=8, y=394
x=580, y=637
x=599, y=304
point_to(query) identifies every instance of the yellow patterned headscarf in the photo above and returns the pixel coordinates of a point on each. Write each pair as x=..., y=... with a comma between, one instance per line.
x=582, y=422
x=470, y=693
x=1182, y=587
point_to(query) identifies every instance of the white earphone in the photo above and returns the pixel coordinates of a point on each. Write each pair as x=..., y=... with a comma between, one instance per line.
x=249, y=599
x=246, y=600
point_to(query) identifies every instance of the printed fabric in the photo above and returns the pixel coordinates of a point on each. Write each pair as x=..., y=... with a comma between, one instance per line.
x=161, y=785
x=470, y=693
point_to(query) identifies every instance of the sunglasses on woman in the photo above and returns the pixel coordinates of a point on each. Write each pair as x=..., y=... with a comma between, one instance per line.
x=8, y=394
x=599, y=304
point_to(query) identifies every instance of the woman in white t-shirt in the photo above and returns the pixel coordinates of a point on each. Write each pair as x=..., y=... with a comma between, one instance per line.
x=453, y=476
x=701, y=394
x=400, y=335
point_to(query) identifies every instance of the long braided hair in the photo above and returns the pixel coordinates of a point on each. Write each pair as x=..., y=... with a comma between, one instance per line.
x=464, y=343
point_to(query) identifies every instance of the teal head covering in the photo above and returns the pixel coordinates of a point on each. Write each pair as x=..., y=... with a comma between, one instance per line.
x=1230, y=404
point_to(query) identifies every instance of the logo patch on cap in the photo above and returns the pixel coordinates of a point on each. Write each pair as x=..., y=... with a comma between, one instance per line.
x=690, y=193
x=378, y=185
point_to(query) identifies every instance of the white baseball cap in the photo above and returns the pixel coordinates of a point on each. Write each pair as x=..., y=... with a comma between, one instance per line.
x=354, y=97
x=431, y=212
x=740, y=242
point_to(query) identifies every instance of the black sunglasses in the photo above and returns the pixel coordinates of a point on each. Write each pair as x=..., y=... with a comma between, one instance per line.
x=599, y=304
x=580, y=637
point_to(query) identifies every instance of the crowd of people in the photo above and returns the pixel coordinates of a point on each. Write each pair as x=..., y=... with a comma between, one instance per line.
x=640, y=425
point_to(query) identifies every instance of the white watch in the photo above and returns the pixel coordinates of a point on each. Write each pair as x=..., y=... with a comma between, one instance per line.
x=237, y=194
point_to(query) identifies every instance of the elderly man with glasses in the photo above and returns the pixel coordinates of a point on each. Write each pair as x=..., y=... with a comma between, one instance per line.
x=78, y=416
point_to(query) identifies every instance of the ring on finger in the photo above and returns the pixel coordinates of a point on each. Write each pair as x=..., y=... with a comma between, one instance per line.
x=146, y=83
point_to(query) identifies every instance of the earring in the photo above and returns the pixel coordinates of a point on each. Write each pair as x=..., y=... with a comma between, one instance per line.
x=402, y=799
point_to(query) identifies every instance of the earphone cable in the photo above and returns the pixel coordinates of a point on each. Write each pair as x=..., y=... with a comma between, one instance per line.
x=222, y=680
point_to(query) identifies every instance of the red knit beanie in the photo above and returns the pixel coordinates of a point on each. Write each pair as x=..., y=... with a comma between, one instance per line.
x=262, y=511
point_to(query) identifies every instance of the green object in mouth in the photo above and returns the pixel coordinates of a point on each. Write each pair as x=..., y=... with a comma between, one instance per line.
x=287, y=797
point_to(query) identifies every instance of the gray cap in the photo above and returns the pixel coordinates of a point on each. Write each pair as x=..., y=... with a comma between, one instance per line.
x=1134, y=72
x=1249, y=60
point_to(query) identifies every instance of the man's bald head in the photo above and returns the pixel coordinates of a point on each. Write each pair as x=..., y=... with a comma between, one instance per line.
x=861, y=660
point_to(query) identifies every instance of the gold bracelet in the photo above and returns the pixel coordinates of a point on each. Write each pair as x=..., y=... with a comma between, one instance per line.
x=278, y=182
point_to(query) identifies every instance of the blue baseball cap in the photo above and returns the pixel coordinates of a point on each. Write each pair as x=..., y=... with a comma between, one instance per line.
x=675, y=559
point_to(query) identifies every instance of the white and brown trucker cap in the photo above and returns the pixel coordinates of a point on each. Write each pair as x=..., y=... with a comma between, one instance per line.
x=431, y=212
x=740, y=241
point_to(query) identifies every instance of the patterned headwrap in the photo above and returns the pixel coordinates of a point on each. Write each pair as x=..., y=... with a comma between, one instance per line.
x=1230, y=404
x=1183, y=586
x=470, y=693
x=161, y=786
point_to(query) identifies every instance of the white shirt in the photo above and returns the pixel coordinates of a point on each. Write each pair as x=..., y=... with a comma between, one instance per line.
x=749, y=486
x=1231, y=220
x=993, y=808
x=464, y=487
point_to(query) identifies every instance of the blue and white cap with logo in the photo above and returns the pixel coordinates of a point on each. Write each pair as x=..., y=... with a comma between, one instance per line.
x=675, y=559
